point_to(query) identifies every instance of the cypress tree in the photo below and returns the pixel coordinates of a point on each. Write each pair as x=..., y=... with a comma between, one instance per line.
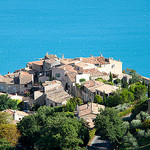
x=149, y=90
x=110, y=77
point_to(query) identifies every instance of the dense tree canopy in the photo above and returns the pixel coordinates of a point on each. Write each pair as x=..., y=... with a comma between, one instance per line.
x=120, y=97
x=8, y=131
x=109, y=125
x=139, y=90
x=72, y=103
x=6, y=102
x=51, y=129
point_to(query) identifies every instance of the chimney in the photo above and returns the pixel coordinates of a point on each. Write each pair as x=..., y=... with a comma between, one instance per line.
x=8, y=72
x=47, y=53
x=119, y=59
x=91, y=55
x=62, y=56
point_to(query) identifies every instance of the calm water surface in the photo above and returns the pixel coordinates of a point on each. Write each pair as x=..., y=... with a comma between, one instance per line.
x=116, y=28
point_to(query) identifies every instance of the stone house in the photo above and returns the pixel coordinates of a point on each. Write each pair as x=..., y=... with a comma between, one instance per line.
x=80, y=66
x=36, y=67
x=16, y=82
x=71, y=81
x=91, y=88
x=60, y=73
x=54, y=93
x=88, y=112
x=105, y=64
x=16, y=114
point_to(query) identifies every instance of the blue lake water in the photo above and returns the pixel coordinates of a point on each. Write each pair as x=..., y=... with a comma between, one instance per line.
x=116, y=28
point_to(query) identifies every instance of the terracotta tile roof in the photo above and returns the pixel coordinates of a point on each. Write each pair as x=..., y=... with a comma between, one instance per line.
x=69, y=61
x=96, y=60
x=40, y=63
x=107, y=88
x=145, y=78
x=58, y=96
x=11, y=111
x=6, y=80
x=21, y=77
x=93, y=72
x=88, y=112
x=25, y=78
x=84, y=65
x=72, y=76
x=92, y=84
x=67, y=68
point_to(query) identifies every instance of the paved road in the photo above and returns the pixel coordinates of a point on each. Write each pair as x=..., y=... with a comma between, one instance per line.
x=99, y=144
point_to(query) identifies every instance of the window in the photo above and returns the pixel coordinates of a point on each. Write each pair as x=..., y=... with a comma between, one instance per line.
x=57, y=74
x=113, y=66
x=78, y=68
x=25, y=85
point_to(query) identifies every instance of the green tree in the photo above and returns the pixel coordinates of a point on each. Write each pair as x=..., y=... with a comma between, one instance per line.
x=110, y=77
x=128, y=142
x=149, y=90
x=124, y=83
x=117, y=81
x=135, y=78
x=6, y=102
x=5, y=118
x=143, y=82
x=98, y=99
x=109, y=125
x=104, y=99
x=5, y=145
x=72, y=103
x=140, y=91
x=51, y=129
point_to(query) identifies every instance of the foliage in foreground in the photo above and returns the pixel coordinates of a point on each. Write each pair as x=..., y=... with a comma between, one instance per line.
x=49, y=129
x=109, y=125
x=7, y=103
x=8, y=131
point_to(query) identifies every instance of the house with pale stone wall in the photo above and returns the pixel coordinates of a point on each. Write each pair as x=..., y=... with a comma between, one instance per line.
x=16, y=82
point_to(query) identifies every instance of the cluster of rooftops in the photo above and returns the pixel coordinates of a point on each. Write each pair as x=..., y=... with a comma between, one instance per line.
x=57, y=79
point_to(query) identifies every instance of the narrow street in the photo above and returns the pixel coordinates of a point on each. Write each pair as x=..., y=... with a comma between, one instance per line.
x=99, y=144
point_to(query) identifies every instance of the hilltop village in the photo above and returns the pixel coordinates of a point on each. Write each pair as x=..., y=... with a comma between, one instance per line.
x=78, y=89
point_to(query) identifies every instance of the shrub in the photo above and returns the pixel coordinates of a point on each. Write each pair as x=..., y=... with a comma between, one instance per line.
x=128, y=142
x=127, y=111
x=82, y=80
x=142, y=116
x=147, y=134
x=126, y=124
x=135, y=124
x=98, y=99
x=92, y=133
x=141, y=133
x=146, y=123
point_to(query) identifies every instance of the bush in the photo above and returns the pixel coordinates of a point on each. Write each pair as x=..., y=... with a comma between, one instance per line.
x=126, y=124
x=141, y=133
x=92, y=133
x=121, y=107
x=147, y=134
x=135, y=124
x=82, y=80
x=128, y=142
x=98, y=99
x=127, y=111
x=142, y=116
x=140, y=106
x=146, y=124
